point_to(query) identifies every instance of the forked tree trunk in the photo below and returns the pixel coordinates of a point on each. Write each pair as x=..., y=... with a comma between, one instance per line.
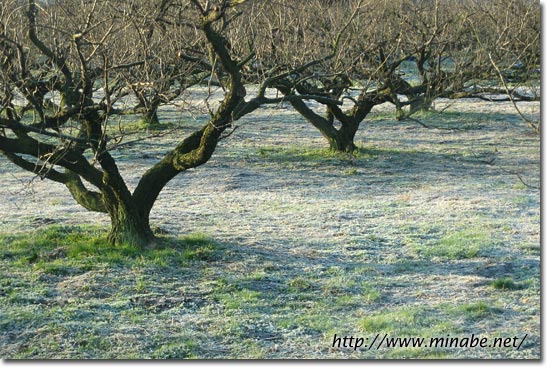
x=343, y=139
x=129, y=215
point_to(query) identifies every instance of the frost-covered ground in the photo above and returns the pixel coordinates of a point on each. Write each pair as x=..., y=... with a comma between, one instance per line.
x=424, y=232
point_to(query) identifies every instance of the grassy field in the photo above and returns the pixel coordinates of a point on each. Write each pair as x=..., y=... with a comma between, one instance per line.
x=277, y=245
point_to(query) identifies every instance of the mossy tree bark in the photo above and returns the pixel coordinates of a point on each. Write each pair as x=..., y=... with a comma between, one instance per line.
x=150, y=116
x=130, y=226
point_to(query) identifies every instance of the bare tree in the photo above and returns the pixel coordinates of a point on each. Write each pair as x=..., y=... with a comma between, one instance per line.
x=66, y=67
x=407, y=53
x=508, y=35
x=320, y=31
x=71, y=51
x=158, y=75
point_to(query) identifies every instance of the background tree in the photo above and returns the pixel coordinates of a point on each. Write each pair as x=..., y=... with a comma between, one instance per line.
x=159, y=75
x=321, y=31
x=407, y=53
x=509, y=45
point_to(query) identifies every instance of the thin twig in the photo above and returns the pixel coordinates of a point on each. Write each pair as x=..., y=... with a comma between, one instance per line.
x=520, y=178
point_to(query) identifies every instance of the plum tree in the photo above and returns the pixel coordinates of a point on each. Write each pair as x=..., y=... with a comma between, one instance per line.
x=67, y=65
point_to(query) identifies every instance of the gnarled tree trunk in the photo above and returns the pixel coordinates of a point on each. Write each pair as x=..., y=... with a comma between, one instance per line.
x=343, y=141
x=150, y=116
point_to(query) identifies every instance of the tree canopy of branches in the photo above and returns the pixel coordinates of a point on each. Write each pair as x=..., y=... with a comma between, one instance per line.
x=406, y=53
x=68, y=66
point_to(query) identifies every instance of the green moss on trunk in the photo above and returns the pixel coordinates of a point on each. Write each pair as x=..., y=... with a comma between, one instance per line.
x=150, y=117
x=340, y=144
x=130, y=229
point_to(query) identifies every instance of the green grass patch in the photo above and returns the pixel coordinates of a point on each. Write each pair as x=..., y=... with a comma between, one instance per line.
x=392, y=321
x=184, y=349
x=303, y=155
x=477, y=311
x=68, y=250
x=506, y=284
x=300, y=284
x=371, y=295
x=338, y=285
x=522, y=201
x=531, y=247
x=242, y=299
x=461, y=244
x=409, y=322
x=134, y=123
